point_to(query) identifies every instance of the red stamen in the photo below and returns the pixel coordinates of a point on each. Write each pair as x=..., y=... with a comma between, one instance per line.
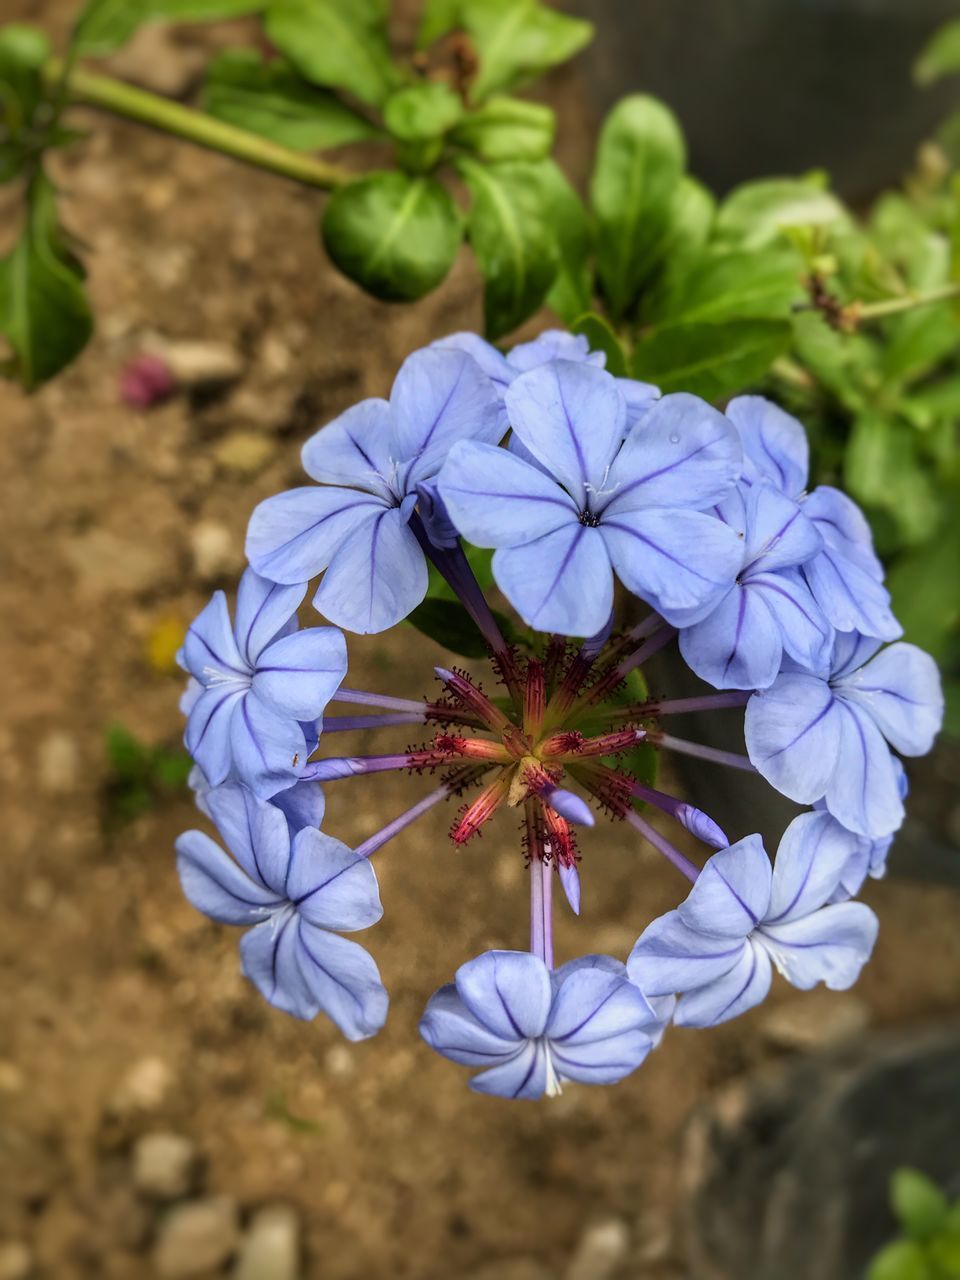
x=559, y=841
x=473, y=816
x=567, y=746
x=473, y=699
x=472, y=748
x=535, y=698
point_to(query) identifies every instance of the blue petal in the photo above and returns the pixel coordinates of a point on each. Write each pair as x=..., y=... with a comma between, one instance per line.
x=209, y=732
x=302, y=805
x=683, y=453
x=572, y=418
x=814, y=853
x=562, y=582
x=775, y=448
x=570, y=883
x=343, y=980
x=831, y=946
x=726, y=997
x=298, y=675
x=522, y=1076
x=862, y=793
x=738, y=645
x=354, y=450
x=493, y=363
x=850, y=598
x=209, y=647
x=654, y=553
x=901, y=692
x=508, y=992
x=851, y=651
x=376, y=578
x=602, y=1061
x=805, y=633
x=268, y=957
x=731, y=893
x=793, y=735
x=439, y=397
x=436, y=519
x=330, y=885
x=450, y=1029
x=497, y=500
x=293, y=536
x=594, y=1004
x=844, y=527
x=254, y=831
x=265, y=609
x=269, y=751
x=639, y=397
x=669, y=957
x=554, y=344
x=215, y=885
x=779, y=535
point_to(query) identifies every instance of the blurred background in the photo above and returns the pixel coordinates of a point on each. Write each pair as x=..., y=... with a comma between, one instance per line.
x=142, y=1081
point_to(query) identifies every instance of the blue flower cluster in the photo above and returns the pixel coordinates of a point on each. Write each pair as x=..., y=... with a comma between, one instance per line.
x=577, y=481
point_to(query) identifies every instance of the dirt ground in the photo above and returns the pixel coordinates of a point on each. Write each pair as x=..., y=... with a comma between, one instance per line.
x=122, y=1010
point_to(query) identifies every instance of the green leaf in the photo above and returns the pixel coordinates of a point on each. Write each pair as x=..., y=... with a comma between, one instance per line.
x=902, y=1260
x=480, y=560
x=919, y=1204
x=711, y=360
x=23, y=133
x=270, y=99
x=721, y=286
x=882, y=470
x=756, y=213
x=602, y=338
x=422, y=111
x=43, y=309
x=448, y=622
x=921, y=340
x=105, y=25
x=340, y=46
x=940, y=56
x=439, y=17
x=926, y=592
x=640, y=160
x=509, y=230
x=395, y=235
x=507, y=129
x=572, y=290
x=518, y=39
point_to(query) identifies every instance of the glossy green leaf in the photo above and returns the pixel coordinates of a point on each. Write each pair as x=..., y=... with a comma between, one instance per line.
x=902, y=1260
x=882, y=470
x=711, y=360
x=438, y=18
x=395, y=235
x=640, y=160
x=920, y=1205
x=105, y=25
x=760, y=285
x=340, y=46
x=940, y=56
x=602, y=338
x=518, y=39
x=44, y=314
x=270, y=99
x=422, y=111
x=572, y=290
x=448, y=622
x=509, y=230
x=756, y=213
x=507, y=129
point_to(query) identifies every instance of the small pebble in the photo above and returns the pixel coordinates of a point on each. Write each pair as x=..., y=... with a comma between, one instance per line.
x=202, y=364
x=216, y=552
x=197, y=1237
x=602, y=1248
x=164, y=1165
x=244, y=452
x=144, y=1088
x=16, y=1261
x=271, y=1249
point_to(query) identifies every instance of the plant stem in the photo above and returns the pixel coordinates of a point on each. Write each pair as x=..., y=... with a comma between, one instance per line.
x=893, y=306
x=95, y=90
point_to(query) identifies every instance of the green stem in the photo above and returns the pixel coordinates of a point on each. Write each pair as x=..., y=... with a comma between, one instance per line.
x=893, y=306
x=109, y=94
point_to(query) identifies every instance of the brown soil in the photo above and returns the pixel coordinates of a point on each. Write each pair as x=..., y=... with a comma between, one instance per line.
x=397, y=1169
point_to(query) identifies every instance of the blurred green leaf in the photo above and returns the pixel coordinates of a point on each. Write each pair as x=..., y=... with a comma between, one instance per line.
x=480, y=560
x=139, y=774
x=422, y=111
x=514, y=243
x=882, y=470
x=340, y=46
x=507, y=129
x=438, y=17
x=919, y=1204
x=23, y=130
x=602, y=338
x=44, y=313
x=710, y=360
x=105, y=25
x=640, y=159
x=448, y=622
x=571, y=291
x=759, y=285
x=940, y=56
x=921, y=340
x=756, y=213
x=926, y=592
x=517, y=39
x=841, y=362
x=270, y=99
x=902, y=1260
x=395, y=235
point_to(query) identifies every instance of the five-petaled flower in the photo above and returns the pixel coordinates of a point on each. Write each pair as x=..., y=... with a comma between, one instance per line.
x=715, y=950
x=355, y=528
x=259, y=687
x=297, y=894
x=593, y=503
x=825, y=737
x=531, y=1028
